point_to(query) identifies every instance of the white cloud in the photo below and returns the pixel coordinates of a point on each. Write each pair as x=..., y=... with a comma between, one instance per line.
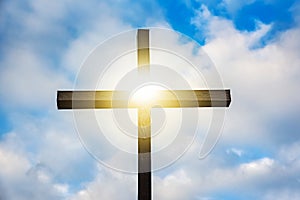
x=262, y=80
x=109, y=185
x=13, y=165
x=97, y=32
x=263, y=85
x=175, y=186
x=258, y=167
x=284, y=194
x=19, y=180
x=232, y=6
x=237, y=152
x=290, y=153
x=43, y=157
x=26, y=83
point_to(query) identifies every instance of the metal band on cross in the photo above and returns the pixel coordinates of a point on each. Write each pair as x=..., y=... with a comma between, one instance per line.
x=164, y=98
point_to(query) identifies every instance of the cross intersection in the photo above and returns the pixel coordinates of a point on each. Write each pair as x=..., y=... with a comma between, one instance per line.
x=163, y=98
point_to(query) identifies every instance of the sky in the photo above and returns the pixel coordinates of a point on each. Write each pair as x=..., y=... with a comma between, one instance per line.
x=254, y=45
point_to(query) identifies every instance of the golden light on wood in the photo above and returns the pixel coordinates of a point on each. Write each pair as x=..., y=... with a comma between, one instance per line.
x=143, y=50
x=162, y=98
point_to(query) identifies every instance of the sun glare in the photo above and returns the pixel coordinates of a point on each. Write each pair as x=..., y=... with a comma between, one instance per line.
x=146, y=95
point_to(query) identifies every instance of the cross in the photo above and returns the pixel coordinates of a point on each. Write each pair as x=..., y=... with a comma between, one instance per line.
x=121, y=99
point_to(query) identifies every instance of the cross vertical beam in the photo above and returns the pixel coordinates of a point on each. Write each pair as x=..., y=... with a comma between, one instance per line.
x=144, y=154
x=165, y=98
x=143, y=53
x=144, y=123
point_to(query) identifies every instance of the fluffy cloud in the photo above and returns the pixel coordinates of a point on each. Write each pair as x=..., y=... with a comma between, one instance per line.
x=45, y=43
x=109, y=185
x=263, y=80
x=21, y=180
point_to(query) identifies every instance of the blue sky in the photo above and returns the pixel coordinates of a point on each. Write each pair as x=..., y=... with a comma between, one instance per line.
x=254, y=45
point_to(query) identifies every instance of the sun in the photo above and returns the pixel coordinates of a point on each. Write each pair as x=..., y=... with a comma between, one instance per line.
x=145, y=96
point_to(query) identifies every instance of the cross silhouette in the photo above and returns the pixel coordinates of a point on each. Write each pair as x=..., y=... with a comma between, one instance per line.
x=122, y=99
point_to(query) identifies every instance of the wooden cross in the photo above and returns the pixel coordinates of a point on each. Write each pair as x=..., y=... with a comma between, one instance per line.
x=164, y=98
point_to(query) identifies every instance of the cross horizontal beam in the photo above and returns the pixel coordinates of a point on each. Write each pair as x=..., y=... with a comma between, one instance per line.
x=122, y=99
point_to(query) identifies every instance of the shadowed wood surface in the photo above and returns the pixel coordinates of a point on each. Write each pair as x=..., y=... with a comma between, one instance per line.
x=144, y=122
